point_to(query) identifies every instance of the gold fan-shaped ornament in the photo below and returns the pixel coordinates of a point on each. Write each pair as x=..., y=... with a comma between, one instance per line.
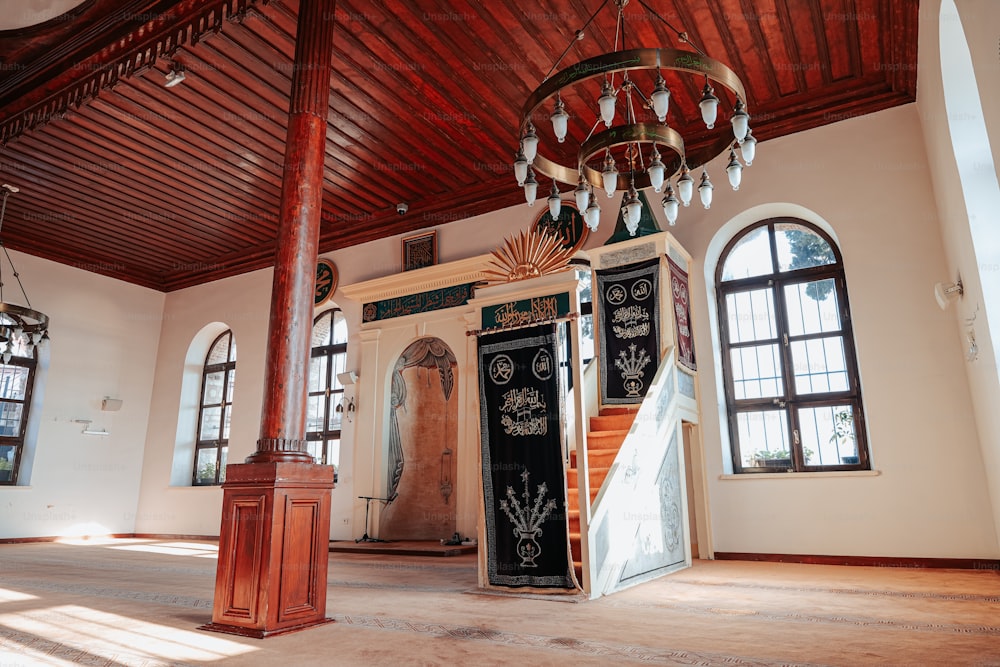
x=528, y=254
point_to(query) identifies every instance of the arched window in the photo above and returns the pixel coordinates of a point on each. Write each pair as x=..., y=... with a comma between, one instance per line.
x=215, y=411
x=792, y=391
x=17, y=377
x=326, y=393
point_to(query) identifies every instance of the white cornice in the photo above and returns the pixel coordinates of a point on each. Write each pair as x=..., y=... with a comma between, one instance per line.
x=459, y=272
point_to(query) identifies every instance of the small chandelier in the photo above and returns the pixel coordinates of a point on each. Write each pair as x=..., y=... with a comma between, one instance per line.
x=21, y=328
x=636, y=148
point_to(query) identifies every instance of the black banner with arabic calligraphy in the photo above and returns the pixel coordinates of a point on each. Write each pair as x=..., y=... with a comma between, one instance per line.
x=629, y=310
x=521, y=437
x=682, y=315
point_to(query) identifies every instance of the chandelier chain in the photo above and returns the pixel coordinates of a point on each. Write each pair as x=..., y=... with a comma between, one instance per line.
x=579, y=36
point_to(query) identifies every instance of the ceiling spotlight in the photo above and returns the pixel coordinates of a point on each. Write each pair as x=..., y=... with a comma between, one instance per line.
x=174, y=76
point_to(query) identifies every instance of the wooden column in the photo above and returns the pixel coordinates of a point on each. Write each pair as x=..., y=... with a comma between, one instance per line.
x=274, y=539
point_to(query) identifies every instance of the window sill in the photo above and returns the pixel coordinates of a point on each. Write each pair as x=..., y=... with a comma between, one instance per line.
x=800, y=475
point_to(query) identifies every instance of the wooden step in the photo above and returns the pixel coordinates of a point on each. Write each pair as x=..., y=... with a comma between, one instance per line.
x=602, y=458
x=596, y=477
x=605, y=439
x=612, y=422
x=573, y=516
x=575, y=546
x=618, y=410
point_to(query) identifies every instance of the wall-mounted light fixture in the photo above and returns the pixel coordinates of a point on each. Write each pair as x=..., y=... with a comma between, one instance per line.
x=111, y=404
x=347, y=405
x=90, y=431
x=943, y=293
x=348, y=377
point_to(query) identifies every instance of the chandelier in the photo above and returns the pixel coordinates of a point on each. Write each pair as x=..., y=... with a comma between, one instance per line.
x=21, y=328
x=631, y=145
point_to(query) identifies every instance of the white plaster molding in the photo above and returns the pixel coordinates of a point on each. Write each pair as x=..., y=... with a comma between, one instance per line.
x=459, y=272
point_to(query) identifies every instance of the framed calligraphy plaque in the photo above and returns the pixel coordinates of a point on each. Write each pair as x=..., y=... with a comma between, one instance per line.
x=420, y=250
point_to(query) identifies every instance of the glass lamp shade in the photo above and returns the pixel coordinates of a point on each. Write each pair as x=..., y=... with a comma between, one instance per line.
x=610, y=176
x=740, y=121
x=734, y=170
x=555, y=203
x=520, y=167
x=748, y=149
x=633, y=212
x=705, y=190
x=709, y=105
x=660, y=97
x=529, y=143
x=592, y=216
x=685, y=186
x=670, y=206
x=530, y=188
x=607, y=104
x=582, y=195
x=656, y=171
x=560, y=120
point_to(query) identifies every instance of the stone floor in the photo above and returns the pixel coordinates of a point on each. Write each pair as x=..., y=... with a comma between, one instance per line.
x=139, y=602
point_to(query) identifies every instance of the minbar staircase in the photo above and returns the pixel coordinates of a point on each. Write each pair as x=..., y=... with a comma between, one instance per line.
x=604, y=439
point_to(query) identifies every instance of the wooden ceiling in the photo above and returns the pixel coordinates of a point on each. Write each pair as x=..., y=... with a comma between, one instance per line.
x=173, y=187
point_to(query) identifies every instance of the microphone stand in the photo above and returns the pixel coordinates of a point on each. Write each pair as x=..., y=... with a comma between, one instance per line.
x=368, y=503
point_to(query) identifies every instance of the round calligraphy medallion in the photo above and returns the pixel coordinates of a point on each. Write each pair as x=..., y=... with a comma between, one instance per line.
x=616, y=294
x=569, y=226
x=326, y=281
x=501, y=369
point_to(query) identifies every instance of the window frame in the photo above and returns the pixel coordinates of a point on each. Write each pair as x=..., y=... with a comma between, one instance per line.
x=17, y=442
x=789, y=400
x=220, y=443
x=333, y=396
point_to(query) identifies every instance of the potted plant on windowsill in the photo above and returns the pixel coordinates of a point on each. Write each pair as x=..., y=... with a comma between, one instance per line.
x=778, y=458
x=843, y=436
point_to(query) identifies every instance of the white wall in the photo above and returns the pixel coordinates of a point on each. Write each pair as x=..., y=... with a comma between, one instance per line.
x=978, y=264
x=242, y=303
x=867, y=179
x=104, y=335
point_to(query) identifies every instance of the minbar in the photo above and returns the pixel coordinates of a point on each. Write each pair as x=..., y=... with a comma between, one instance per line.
x=273, y=549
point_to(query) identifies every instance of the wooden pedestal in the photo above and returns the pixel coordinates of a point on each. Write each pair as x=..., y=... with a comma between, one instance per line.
x=273, y=549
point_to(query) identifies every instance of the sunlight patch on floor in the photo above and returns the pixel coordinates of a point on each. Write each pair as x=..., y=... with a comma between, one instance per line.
x=86, y=533
x=109, y=635
x=174, y=549
x=7, y=595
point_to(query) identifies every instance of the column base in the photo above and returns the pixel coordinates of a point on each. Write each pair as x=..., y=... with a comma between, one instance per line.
x=273, y=549
x=261, y=634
